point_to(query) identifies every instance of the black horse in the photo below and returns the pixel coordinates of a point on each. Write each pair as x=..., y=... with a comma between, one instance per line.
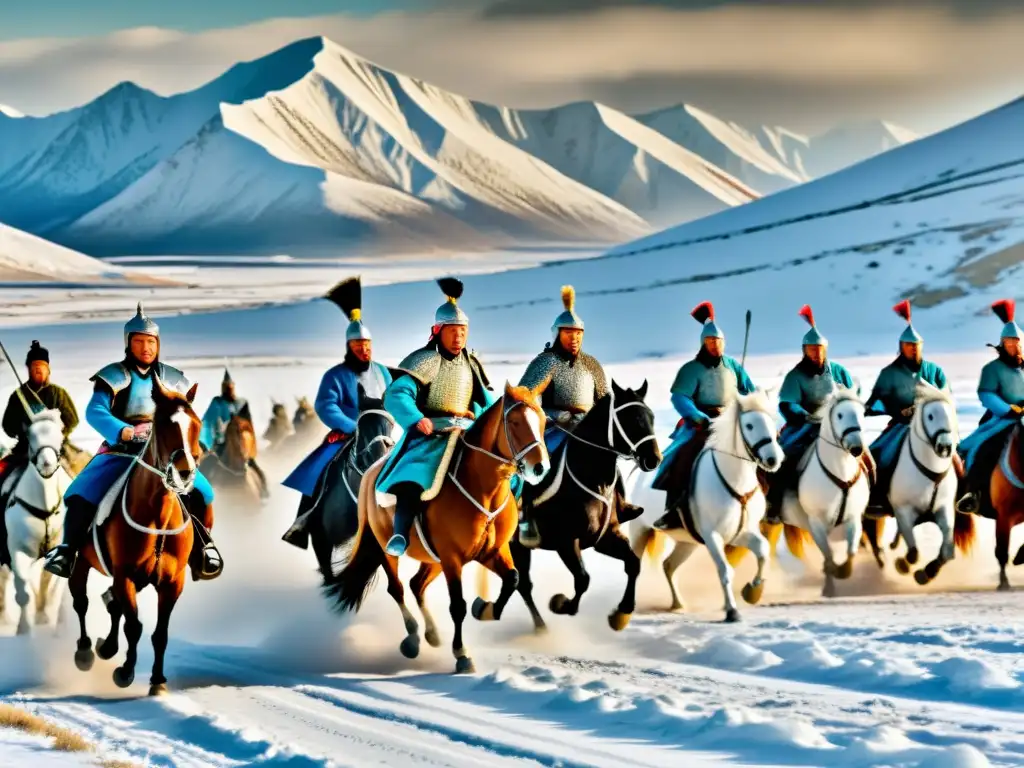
x=576, y=507
x=336, y=514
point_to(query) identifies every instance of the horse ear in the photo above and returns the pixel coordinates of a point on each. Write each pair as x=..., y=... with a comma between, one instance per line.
x=191, y=394
x=508, y=388
x=642, y=392
x=616, y=389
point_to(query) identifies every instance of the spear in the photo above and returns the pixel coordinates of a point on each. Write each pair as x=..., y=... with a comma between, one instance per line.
x=746, y=338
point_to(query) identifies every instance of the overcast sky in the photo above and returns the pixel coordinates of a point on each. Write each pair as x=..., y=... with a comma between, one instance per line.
x=805, y=64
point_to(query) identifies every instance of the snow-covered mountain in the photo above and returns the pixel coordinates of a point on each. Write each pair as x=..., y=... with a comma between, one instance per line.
x=314, y=150
x=9, y=111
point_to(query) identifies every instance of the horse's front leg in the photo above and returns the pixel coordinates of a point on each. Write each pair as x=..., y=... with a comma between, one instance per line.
x=1004, y=527
x=522, y=557
x=906, y=518
x=503, y=566
x=679, y=555
x=423, y=579
x=854, y=532
x=755, y=541
x=167, y=597
x=410, y=646
x=716, y=546
x=457, y=608
x=944, y=520
x=78, y=585
x=819, y=532
x=108, y=647
x=21, y=567
x=573, y=559
x=615, y=544
x=125, y=593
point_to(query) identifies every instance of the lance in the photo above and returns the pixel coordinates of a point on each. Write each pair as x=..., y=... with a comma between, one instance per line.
x=746, y=338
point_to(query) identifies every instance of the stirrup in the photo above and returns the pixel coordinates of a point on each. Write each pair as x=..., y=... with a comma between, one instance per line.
x=968, y=504
x=529, y=536
x=396, y=545
x=60, y=561
x=297, y=536
x=211, y=564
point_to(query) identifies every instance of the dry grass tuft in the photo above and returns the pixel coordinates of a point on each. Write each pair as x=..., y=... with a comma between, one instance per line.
x=64, y=739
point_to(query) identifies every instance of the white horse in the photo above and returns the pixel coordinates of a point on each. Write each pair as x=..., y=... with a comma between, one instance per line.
x=34, y=517
x=726, y=502
x=832, y=488
x=924, y=483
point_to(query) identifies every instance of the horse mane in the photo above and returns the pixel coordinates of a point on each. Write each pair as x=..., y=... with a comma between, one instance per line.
x=48, y=414
x=723, y=428
x=519, y=394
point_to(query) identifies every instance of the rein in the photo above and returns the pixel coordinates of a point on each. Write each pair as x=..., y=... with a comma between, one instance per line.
x=844, y=486
x=351, y=460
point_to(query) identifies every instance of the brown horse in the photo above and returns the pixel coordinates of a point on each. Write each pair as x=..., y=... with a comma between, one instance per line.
x=472, y=518
x=146, y=540
x=231, y=468
x=1006, y=494
x=280, y=426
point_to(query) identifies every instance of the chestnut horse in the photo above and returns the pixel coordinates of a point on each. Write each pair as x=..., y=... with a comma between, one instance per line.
x=472, y=518
x=1006, y=493
x=230, y=468
x=146, y=540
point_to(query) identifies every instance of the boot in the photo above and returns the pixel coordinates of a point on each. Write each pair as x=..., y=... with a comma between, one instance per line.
x=672, y=520
x=968, y=502
x=408, y=506
x=298, y=534
x=61, y=559
x=529, y=536
x=627, y=511
x=205, y=559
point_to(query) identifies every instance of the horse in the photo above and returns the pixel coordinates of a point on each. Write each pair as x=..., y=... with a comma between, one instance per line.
x=1006, y=497
x=146, y=540
x=578, y=508
x=472, y=518
x=924, y=484
x=305, y=415
x=229, y=468
x=34, y=516
x=337, y=493
x=726, y=500
x=280, y=427
x=832, y=488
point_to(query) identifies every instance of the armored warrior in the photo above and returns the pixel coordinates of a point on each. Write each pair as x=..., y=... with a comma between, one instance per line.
x=1001, y=391
x=702, y=388
x=440, y=392
x=571, y=382
x=893, y=396
x=121, y=411
x=218, y=414
x=337, y=405
x=805, y=389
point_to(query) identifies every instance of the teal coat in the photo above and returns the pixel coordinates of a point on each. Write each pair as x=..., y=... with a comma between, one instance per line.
x=894, y=392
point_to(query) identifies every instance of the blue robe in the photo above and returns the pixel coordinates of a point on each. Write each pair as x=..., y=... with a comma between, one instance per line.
x=1000, y=387
x=96, y=478
x=216, y=418
x=894, y=392
x=337, y=406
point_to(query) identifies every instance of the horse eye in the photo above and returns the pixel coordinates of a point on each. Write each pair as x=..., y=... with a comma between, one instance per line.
x=750, y=426
x=930, y=416
x=840, y=417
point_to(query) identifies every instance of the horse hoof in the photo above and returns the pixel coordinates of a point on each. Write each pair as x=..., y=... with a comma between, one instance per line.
x=829, y=590
x=159, y=689
x=1004, y=586
x=677, y=608
x=464, y=666
x=845, y=570
x=618, y=620
x=123, y=677
x=752, y=593
x=432, y=638
x=106, y=651
x=912, y=555
x=540, y=629
x=902, y=566
x=410, y=647
x=732, y=616
x=483, y=610
x=921, y=577
x=23, y=627
x=84, y=659
x=558, y=604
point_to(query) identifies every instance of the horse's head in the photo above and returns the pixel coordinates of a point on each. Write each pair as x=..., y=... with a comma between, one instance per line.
x=240, y=436
x=525, y=422
x=631, y=426
x=751, y=416
x=174, y=439
x=935, y=417
x=375, y=431
x=45, y=438
x=278, y=411
x=845, y=416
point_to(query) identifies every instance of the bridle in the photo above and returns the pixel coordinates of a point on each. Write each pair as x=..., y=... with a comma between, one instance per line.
x=387, y=440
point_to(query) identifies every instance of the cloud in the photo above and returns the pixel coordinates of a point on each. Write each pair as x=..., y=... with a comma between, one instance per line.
x=803, y=67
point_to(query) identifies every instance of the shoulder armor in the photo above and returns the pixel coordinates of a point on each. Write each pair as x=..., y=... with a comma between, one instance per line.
x=590, y=362
x=478, y=366
x=174, y=379
x=115, y=376
x=422, y=365
x=539, y=369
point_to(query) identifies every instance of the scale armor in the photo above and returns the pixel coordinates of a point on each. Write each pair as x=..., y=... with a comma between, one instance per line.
x=138, y=402
x=713, y=387
x=449, y=383
x=567, y=388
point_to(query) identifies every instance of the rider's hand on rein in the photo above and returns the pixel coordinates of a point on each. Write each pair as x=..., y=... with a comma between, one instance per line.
x=425, y=425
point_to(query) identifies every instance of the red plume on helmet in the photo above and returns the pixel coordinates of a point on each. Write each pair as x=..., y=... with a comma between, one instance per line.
x=806, y=313
x=903, y=309
x=1005, y=309
x=703, y=312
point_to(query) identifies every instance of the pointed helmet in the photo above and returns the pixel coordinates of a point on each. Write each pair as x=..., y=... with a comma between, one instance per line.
x=813, y=336
x=450, y=313
x=704, y=313
x=140, y=324
x=1005, y=310
x=227, y=378
x=909, y=335
x=348, y=296
x=568, y=318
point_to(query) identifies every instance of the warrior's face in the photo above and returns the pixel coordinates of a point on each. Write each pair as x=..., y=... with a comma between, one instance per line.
x=571, y=340
x=144, y=348
x=362, y=349
x=453, y=338
x=39, y=372
x=714, y=346
x=227, y=389
x=815, y=353
x=1012, y=348
x=911, y=351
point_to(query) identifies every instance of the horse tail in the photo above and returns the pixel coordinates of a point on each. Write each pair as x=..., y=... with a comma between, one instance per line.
x=734, y=554
x=771, y=531
x=352, y=584
x=795, y=538
x=964, y=532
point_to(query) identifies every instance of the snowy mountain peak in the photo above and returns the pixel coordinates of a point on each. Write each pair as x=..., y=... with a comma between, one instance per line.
x=9, y=111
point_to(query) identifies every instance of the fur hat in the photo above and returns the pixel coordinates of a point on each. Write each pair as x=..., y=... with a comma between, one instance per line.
x=37, y=353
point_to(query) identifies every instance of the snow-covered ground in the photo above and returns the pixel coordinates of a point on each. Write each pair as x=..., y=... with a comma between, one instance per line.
x=887, y=674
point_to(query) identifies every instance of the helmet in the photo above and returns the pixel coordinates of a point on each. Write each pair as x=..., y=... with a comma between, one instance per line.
x=568, y=318
x=909, y=335
x=813, y=336
x=227, y=378
x=348, y=295
x=449, y=313
x=704, y=313
x=140, y=324
x=1005, y=310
